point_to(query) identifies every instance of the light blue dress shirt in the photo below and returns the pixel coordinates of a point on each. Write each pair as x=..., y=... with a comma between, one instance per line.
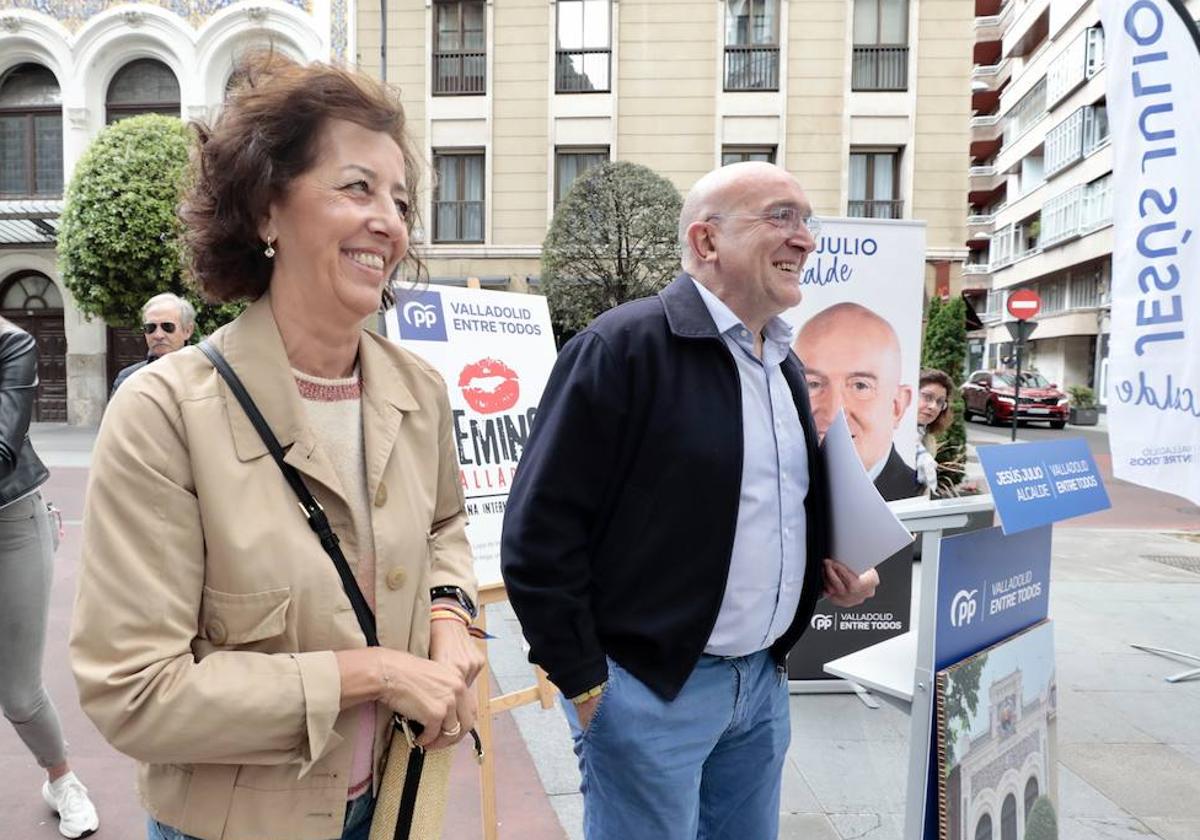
x=766, y=569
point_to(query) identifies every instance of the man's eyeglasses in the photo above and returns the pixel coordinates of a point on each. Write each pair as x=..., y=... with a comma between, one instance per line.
x=785, y=218
x=167, y=326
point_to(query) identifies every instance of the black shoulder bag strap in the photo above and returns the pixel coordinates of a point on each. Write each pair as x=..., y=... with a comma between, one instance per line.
x=317, y=520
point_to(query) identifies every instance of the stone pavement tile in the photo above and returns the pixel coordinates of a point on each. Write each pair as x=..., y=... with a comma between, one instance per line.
x=1162, y=713
x=569, y=808
x=1191, y=750
x=868, y=826
x=1174, y=829
x=806, y=827
x=1133, y=671
x=797, y=797
x=854, y=776
x=1147, y=780
x=1085, y=718
x=844, y=716
x=1117, y=828
x=1076, y=798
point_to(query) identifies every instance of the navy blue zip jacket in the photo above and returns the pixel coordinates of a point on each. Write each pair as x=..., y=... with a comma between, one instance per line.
x=620, y=521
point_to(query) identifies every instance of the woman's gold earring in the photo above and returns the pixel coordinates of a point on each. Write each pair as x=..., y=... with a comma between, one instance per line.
x=270, y=251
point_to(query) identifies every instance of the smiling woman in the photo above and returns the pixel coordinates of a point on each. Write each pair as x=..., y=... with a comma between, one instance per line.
x=248, y=691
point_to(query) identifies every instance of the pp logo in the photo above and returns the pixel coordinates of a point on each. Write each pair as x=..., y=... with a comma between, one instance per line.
x=820, y=621
x=963, y=607
x=421, y=317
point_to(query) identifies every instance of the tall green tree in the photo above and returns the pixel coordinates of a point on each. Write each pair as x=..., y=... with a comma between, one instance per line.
x=614, y=238
x=119, y=241
x=945, y=349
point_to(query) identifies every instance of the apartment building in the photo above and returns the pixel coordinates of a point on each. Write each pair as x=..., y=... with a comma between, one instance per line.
x=1040, y=190
x=67, y=69
x=867, y=101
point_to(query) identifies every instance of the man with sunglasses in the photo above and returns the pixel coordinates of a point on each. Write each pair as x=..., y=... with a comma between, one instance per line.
x=666, y=538
x=167, y=322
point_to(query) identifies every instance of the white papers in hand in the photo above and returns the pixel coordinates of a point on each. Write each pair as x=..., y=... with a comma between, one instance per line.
x=865, y=531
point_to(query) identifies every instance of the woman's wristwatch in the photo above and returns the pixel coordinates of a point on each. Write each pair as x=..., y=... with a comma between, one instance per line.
x=455, y=593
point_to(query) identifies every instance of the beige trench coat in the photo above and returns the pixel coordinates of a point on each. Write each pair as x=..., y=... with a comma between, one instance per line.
x=207, y=611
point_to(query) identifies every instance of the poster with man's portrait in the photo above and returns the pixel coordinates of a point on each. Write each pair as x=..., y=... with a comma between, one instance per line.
x=858, y=334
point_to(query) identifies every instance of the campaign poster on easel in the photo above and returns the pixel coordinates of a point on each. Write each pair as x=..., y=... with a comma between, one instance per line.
x=495, y=350
x=858, y=334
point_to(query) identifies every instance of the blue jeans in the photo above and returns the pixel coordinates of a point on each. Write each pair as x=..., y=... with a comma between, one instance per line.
x=357, y=825
x=707, y=765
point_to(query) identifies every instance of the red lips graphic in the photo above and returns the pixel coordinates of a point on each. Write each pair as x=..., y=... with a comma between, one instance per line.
x=488, y=397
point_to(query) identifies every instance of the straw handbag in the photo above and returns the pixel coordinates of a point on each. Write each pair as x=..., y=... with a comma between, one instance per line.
x=411, y=802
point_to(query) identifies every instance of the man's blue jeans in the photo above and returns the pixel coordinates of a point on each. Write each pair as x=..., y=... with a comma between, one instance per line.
x=706, y=766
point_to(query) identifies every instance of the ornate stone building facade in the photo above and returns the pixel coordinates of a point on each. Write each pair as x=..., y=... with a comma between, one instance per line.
x=69, y=67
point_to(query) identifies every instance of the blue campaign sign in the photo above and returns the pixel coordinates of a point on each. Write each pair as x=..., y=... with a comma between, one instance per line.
x=990, y=586
x=1039, y=483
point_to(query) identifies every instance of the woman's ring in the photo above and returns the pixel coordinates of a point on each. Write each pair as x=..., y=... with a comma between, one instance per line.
x=450, y=733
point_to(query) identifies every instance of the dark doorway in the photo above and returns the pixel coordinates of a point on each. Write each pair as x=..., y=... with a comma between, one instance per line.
x=31, y=301
x=125, y=346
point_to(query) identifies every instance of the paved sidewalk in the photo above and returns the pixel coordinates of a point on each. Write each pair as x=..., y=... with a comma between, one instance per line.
x=1129, y=743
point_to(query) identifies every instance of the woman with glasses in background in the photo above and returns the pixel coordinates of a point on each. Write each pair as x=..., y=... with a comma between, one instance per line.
x=933, y=417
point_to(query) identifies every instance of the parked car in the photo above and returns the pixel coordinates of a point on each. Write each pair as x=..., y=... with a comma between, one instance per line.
x=989, y=394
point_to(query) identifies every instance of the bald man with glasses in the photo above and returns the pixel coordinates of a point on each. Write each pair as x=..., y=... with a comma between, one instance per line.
x=167, y=322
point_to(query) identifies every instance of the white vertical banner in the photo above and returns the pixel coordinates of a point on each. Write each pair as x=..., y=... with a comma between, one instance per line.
x=1153, y=64
x=495, y=350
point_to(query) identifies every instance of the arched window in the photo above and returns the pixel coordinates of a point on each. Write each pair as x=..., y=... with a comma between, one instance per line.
x=143, y=86
x=1031, y=794
x=30, y=290
x=1008, y=818
x=983, y=828
x=31, y=144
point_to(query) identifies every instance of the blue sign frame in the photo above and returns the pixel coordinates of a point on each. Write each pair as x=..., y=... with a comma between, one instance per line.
x=1038, y=483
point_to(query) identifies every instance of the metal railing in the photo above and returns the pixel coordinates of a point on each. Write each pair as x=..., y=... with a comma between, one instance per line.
x=879, y=68
x=575, y=71
x=751, y=68
x=459, y=73
x=884, y=209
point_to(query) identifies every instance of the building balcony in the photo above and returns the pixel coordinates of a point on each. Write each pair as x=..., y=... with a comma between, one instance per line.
x=989, y=34
x=459, y=73
x=980, y=226
x=976, y=276
x=984, y=183
x=749, y=68
x=987, y=136
x=1030, y=26
x=882, y=209
x=991, y=77
x=879, y=68
x=991, y=27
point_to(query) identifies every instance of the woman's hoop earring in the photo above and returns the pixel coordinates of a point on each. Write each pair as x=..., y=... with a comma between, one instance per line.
x=270, y=251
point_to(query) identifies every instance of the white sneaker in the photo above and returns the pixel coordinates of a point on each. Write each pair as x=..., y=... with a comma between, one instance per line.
x=68, y=797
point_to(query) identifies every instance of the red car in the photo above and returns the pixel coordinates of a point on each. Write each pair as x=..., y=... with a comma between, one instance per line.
x=990, y=395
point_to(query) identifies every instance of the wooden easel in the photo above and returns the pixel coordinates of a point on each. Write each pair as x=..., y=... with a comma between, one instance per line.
x=542, y=692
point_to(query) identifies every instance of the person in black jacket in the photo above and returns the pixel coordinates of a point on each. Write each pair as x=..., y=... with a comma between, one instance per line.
x=167, y=322
x=27, y=544
x=666, y=537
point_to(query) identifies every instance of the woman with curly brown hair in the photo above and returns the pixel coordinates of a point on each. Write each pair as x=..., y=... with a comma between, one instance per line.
x=213, y=638
x=934, y=416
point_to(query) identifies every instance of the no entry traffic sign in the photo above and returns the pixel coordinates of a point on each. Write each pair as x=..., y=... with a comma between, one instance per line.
x=1023, y=304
